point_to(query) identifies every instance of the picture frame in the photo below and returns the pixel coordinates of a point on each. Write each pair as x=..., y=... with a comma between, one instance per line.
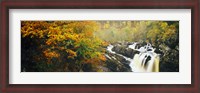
x=99, y=4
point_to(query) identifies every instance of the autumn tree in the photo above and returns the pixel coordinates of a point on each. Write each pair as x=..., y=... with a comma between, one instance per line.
x=163, y=35
x=61, y=46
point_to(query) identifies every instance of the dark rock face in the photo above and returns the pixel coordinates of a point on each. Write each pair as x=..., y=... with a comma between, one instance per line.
x=148, y=58
x=169, y=62
x=139, y=45
x=158, y=51
x=117, y=63
x=125, y=51
x=130, y=53
x=169, y=57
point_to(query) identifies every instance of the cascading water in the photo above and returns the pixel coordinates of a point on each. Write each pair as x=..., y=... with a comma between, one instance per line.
x=146, y=61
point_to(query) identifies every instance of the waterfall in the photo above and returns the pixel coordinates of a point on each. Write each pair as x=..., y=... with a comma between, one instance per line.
x=146, y=61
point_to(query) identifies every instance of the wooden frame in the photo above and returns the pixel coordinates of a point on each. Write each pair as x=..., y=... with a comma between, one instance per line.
x=99, y=4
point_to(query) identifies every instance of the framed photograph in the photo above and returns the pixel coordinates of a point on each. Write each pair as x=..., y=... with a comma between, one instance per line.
x=146, y=46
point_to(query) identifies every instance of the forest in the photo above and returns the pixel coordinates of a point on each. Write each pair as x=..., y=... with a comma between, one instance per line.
x=100, y=46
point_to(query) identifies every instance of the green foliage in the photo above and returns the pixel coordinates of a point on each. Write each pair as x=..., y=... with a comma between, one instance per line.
x=80, y=45
x=161, y=34
x=63, y=45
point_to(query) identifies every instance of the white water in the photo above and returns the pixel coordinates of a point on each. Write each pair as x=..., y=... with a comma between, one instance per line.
x=138, y=62
x=109, y=48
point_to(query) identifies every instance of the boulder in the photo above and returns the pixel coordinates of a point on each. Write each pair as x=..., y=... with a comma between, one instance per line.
x=125, y=51
x=130, y=53
x=116, y=63
x=140, y=44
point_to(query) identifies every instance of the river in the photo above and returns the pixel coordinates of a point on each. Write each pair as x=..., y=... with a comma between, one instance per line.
x=146, y=61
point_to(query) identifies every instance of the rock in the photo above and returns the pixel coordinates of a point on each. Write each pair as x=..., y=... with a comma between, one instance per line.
x=130, y=53
x=164, y=48
x=169, y=57
x=130, y=43
x=140, y=44
x=115, y=63
x=159, y=52
x=169, y=62
x=125, y=51
x=146, y=61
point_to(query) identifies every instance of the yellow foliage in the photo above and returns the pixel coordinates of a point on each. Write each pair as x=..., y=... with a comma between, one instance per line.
x=75, y=38
x=50, y=54
x=71, y=53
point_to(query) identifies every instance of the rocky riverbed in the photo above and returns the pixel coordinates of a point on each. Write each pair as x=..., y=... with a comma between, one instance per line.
x=120, y=57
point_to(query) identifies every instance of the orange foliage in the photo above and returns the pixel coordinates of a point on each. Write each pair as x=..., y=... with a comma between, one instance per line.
x=74, y=38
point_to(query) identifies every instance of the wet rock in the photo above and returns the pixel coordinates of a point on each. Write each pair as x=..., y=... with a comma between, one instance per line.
x=125, y=51
x=140, y=44
x=169, y=62
x=130, y=53
x=115, y=63
x=130, y=43
x=169, y=57
x=158, y=51
x=164, y=48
